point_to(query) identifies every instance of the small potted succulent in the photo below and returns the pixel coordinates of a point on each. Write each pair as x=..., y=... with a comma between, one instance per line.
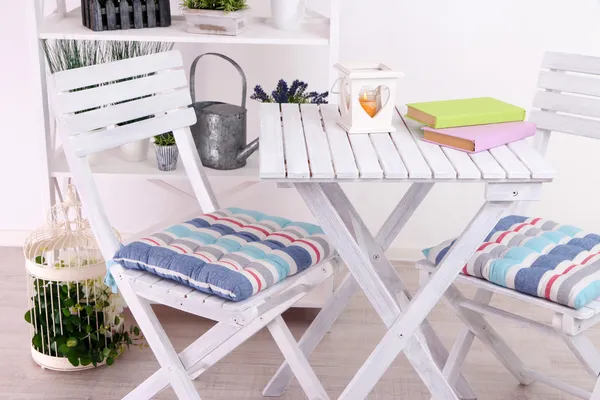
x=166, y=150
x=294, y=93
x=216, y=17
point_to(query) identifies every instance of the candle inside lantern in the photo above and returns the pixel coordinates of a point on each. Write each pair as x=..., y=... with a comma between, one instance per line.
x=368, y=103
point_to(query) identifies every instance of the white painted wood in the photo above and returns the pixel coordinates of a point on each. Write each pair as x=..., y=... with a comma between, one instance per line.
x=517, y=191
x=341, y=151
x=293, y=142
x=272, y=160
x=565, y=387
x=571, y=62
x=107, y=139
x=435, y=157
x=403, y=329
x=68, y=102
x=129, y=111
x=463, y=164
x=366, y=157
x=259, y=31
x=566, y=124
x=585, y=351
x=388, y=155
x=532, y=159
x=296, y=359
x=562, y=82
x=317, y=146
x=570, y=104
x=489, y=167
x=596, y=393
x=411, y=156
x=510, y=163
x=65, y=81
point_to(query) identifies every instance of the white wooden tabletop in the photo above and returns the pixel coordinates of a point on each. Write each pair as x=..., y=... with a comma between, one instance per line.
x=305, y=143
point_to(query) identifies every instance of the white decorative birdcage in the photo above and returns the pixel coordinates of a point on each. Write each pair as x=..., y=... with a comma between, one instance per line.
x=76, y=321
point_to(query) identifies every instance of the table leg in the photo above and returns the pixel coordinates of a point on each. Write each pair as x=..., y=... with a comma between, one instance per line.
x=332, y=210
x=399, y=336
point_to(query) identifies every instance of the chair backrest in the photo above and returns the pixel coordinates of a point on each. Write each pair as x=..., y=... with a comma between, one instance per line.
x=108, y=105
x=569, y=101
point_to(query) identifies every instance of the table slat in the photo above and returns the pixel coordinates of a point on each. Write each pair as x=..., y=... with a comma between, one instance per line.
x=272, y=162
x=365, y=156
x=462, y=163
x=510, y=163
x=341, y=152
x=489, y=167
x=411, y=156
x=390, y=160
x=539, y=167
x=435, y=157
x=294, y=143
x=316, y=143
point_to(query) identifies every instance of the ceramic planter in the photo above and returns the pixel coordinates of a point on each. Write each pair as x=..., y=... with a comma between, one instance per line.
x=287, y=14
x=213, y=22
x=166, y=157
x=135, y=151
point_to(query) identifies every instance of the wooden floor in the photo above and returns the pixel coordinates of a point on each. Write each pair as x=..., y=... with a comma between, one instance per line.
x=243, y=374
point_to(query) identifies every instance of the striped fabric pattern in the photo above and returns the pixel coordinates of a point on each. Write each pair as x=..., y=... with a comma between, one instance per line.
x=232, y=253
x=538, y=257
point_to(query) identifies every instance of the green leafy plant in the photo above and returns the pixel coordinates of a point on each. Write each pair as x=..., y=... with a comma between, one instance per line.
x=166, y=139
x=221, y=5
x=81, y=321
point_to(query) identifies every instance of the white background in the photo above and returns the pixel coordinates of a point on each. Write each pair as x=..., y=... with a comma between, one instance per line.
x=447, y=49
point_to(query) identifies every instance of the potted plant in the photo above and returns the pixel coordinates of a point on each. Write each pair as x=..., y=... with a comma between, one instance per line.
x=287, y=14
x=166, y=150
x=216, y=17
x=294, y=93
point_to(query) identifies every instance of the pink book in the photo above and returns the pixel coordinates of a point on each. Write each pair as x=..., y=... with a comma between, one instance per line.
x=474, y=139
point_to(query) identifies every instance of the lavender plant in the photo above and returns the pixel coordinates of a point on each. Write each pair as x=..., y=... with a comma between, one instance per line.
x=294, y=93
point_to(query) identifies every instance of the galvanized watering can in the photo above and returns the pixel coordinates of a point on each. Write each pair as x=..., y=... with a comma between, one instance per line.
x=220, y=133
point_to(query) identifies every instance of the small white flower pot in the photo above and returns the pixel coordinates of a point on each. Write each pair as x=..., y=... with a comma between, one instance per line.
x=135, y=151
x=287, y=14
x=213, y=22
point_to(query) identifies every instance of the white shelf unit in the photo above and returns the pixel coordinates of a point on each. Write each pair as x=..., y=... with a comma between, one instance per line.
x=320, y=28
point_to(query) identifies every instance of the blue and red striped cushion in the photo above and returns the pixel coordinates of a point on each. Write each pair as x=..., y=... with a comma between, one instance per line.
x=536, y=256
x=232, y=253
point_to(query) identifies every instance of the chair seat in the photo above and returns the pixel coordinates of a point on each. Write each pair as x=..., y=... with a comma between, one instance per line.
x=231, y=253
x=536, y=257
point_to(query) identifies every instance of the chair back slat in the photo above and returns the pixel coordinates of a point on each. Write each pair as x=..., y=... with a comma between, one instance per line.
x=117, y=70
x=108, y=105
x=569, y=100
x=70, y=102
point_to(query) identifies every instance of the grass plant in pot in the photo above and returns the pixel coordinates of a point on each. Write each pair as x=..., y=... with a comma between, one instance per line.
x=166, y=150
x=216, y=17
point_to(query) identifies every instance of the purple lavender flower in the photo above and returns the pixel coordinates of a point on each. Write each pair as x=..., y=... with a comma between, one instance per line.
x=280, y=94
x=295, y=93
x=260, y=95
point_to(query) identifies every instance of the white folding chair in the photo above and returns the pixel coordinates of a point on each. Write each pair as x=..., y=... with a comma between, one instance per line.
x=568, y=100
x=90, y=103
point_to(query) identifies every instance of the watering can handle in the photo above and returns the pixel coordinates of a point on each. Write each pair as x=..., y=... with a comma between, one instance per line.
x=236, y=65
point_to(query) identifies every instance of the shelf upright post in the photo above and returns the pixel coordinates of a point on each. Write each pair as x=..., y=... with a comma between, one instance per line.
x=334, y=43
x=36, y=17
x=61, y=8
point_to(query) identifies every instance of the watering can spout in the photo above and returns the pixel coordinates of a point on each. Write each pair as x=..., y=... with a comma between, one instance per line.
x=247, y=151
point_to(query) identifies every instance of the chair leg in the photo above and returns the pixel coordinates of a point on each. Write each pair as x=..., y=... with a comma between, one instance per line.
x=159, y=343
x=596, y=393
x=585, y=351
x=488, y=336
x=314, y=334
x=296, y=360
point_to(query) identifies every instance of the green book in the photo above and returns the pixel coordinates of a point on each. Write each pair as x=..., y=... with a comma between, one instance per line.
x=464, y=112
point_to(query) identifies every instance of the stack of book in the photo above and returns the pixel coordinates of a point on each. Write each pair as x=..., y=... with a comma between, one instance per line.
x=471, y=125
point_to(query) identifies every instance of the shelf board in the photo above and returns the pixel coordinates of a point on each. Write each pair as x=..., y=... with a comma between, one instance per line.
x=110, y=164
x=314, y=32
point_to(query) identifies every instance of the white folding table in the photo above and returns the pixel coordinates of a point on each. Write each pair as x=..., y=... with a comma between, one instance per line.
x=304, y=146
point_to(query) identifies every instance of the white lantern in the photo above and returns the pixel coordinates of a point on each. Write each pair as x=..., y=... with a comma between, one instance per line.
x=76, y=321
x=367, y=98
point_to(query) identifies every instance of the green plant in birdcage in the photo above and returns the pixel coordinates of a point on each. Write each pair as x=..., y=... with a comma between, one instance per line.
x=220, y=5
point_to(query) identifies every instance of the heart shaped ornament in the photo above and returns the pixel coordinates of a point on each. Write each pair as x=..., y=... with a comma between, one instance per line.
x=373, y=101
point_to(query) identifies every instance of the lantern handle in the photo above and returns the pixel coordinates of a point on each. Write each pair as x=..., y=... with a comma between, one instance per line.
x=224, y=57
x=332, y=91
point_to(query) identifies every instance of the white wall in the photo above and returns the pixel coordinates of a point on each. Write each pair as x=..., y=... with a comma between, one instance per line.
x=446, y=49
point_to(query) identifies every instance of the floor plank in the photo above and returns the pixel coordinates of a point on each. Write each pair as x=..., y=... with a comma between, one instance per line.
x=244, y=373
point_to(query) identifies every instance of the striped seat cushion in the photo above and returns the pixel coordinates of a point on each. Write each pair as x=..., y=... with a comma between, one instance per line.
x=231, y=253
x=537, y=257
